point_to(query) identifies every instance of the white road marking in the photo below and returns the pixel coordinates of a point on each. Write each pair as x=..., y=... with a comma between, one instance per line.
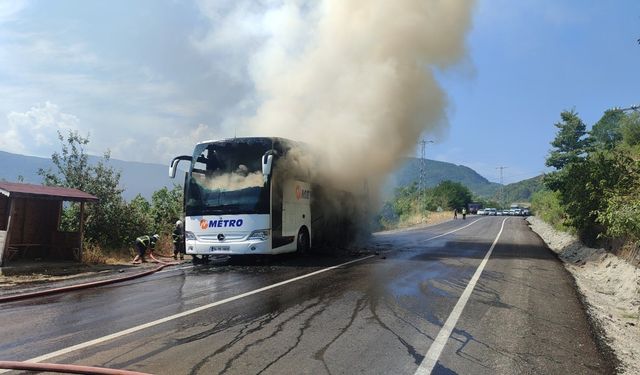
x=431, y=358
x=116, y=335
x=125, y=332
x=452, y=231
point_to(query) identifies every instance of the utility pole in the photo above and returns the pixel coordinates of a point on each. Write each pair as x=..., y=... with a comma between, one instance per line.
x=423, y=171
x=501, y=197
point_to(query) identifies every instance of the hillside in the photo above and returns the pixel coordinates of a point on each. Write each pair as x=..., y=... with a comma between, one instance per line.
x=438, y=171
x=145, y=178
x=136, y=178
x=523, y=190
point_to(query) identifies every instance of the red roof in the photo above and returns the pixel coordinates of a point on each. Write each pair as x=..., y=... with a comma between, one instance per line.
x=13, y=189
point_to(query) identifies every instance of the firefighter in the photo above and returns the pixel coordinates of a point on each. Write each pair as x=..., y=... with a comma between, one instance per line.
x=144, y=243
x=178, y=241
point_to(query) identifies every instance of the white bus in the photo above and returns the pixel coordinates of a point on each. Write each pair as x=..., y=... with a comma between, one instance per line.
x=243, y=196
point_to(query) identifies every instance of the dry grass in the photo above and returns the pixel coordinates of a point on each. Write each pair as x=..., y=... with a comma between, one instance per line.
x=94, y=254
x=420, y=219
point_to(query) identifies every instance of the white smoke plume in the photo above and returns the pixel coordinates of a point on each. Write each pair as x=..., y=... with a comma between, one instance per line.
x=355, y=78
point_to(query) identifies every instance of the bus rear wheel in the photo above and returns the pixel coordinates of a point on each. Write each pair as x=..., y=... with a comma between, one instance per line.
x=303, y=243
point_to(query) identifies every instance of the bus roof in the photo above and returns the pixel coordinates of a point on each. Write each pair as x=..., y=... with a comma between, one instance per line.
x=249, y=140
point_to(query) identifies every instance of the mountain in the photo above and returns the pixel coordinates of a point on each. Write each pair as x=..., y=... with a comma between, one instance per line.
x=438, y=171
x=136, y=178
x=145, y=178
x=523, y=190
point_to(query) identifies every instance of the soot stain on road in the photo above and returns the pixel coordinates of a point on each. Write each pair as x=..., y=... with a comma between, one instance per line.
x=411, y=350
x=278, y=329
x=319, y=355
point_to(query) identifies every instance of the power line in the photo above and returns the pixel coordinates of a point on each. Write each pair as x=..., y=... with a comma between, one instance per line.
x=634, y=108
x=423, y=168
x=501, y=197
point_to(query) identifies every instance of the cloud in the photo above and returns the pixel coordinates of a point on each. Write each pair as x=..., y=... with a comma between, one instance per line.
x=35, y=131
x=181, y=142
x=9, y=9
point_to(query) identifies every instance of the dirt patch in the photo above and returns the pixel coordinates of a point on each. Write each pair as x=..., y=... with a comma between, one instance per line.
x=18, y=275
x=610, y=287
x=418, y=221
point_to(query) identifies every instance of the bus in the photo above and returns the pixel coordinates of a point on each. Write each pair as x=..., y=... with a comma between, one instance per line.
x=250, y=196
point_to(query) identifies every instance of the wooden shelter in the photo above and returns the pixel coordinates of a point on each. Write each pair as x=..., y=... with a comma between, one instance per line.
x=30, y=222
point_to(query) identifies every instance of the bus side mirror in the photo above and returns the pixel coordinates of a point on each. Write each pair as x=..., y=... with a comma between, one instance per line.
x=175, y=162
x=267, y=162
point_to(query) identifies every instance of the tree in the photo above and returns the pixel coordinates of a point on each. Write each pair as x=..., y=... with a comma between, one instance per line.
x=606, y=133
x=630, y=129
x=570, y=144
x=588, y=186
x=73, y=170
x=137, y=220
x=449, y=194
x=166, y=208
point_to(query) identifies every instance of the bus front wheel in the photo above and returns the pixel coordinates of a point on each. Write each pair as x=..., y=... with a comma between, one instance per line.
x=303, y=242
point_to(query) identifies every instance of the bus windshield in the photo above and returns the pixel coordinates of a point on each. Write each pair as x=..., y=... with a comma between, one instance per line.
x=226, y=178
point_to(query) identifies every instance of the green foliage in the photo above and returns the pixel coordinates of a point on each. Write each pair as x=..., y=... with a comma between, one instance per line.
x=546, y=204
x=620, y=216
x=166, y=208
x=406, y=200
x=74, y=171
x=448, y=195
x=570, y=144
x=137, y=220
x=410, y=201
x=597, y=178
x=111, y=222
x=606, y=132
x=630, y=129
x=438, y=171
x=521, y=191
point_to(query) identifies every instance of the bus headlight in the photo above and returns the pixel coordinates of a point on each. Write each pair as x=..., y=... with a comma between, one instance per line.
x=189, y=236
x=260, y=234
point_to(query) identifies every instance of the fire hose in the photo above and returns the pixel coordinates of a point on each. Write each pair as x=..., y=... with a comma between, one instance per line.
x=65, y=369
x=93, y=284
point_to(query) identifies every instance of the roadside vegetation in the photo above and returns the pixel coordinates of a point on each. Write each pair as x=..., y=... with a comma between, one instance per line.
x=412, y=205
x=112, y=224
x=595, y=188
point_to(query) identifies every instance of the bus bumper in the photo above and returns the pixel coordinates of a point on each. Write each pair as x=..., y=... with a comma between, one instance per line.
x=229, y=248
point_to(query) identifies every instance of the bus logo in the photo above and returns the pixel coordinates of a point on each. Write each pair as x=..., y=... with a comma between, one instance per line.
x=302, y=193
x=231, y=223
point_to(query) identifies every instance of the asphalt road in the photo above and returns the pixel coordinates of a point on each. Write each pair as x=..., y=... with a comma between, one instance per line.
x=421, y=305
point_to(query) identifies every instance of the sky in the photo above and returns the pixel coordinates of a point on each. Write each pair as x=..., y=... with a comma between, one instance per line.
x=148, y=79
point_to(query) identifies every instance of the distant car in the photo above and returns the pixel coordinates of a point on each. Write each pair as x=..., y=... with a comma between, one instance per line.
x=491, y=211
x=526, y=212
x=512, y=212
x=505, y=212
x=499, y=213
x=481, y=211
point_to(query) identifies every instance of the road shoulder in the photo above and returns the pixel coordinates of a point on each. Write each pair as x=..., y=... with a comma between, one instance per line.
x=610, y=289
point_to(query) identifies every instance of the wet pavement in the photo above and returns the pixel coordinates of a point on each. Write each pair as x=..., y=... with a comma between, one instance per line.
x=378, y=314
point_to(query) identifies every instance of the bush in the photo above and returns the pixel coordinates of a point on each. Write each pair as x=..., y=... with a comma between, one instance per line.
x=546, y=205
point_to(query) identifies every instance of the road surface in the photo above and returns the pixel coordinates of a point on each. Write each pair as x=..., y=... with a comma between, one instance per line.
x=475, y=296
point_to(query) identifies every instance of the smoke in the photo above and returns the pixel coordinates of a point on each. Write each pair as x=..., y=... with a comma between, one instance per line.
x=237, y=180
x=355, y=79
